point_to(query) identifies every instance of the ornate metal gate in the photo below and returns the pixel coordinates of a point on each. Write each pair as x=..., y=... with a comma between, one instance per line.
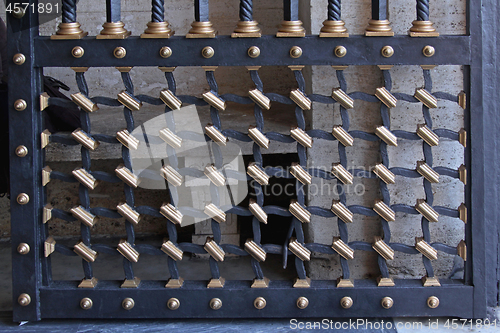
x=37, y=295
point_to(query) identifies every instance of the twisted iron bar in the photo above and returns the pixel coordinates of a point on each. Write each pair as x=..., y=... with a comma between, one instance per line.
x=246, y=10
x=69, y=11
x=422, y=10
x=157, y=10
x=334, y=10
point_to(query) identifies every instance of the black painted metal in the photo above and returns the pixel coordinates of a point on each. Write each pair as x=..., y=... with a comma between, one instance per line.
x=237, y=300
x=291, y=10
x=246, y=10
x=201, y=11
x=69, y=11
x=113, y=10
x=233, y=51
x=379, y=9
x=423, y=10
x=334, y=10
x=24, y=129
x=490, y=72
x=58, y=299
x=157, y=10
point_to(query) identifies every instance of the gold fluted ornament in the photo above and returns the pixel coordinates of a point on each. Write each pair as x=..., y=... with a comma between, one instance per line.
x=379, y=28
x=246, y=29
x=201, y=30
x=113, y=30
x=423, y=29
x=158, y=30
x=70, y=30
x=333, y=28
x=291, y=29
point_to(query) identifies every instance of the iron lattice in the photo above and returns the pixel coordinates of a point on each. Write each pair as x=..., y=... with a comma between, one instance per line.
x=62, y=298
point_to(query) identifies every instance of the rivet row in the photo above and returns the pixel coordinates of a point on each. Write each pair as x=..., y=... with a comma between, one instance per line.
x=259, y=303
x=253, y=52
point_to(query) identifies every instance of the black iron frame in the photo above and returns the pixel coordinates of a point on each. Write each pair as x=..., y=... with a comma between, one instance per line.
x=52, y=299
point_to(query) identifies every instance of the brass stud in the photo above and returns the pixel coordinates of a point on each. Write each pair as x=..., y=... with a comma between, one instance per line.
x=428, y=51
x=295, y=52
x=20, y=105
x=86, y=303
x=21, y=151
x=340, y=51
x=387, y=302
x=119, y=52
x=253, y=52
x=387, y=51
x=77, y=52
x=23, y=248
x=165, y=52
x=23, y=199
x=24, y=299
x=207, y=52
x=346, y=302
x=19, y=58
x=128, y=303
x=215, y=303
x=173, y=303
x=302, y=302
x=18, y=13
x=259, y=303
x=433, y=302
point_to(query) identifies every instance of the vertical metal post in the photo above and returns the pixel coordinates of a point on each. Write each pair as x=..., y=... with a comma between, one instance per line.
x=246, y=27
x=477, y=160
x=26, y=192
x=157, y=27
x=69, y=28
x=422, y=27
x=334, y=26
x=201, y=27
x=291, y=25
x=113, y=28
x=379, y=25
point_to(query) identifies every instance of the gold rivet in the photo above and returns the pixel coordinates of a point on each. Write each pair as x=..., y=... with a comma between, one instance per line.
x=259, y=303
x=21, y=151
x=433, y=302
x=23, y=199
x=86, y=303
x=20, y=105
x=207, y=52
x=295, y=52
x=340, y=51
x=18, y=13
x=253, y=52
x=346, y=302
x=23, y=248
x=24, y=299
x=173, y=303
x=77, y=52
x=165, y=52
x=128, y=303
x=215, y=303
x=120, y=52
x=387, y=302
x=19, y=58
x=387, y=51
x=302, y=303
x=428, y=51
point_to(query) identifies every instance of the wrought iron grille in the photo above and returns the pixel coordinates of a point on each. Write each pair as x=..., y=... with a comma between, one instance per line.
x=38, y=296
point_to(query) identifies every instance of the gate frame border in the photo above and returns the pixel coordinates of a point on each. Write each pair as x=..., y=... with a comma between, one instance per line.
x=480, y=80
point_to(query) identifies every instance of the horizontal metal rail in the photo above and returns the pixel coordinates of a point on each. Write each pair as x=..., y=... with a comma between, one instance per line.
x=450, y=50
x=410, y=299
